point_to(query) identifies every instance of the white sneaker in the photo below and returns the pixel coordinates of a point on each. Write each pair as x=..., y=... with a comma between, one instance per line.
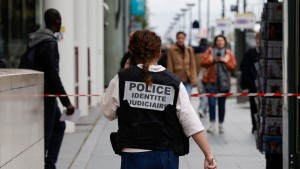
x=221, y=128
x=211, y=129
x=201, y=113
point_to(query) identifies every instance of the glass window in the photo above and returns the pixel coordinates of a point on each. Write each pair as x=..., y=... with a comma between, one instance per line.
x=18, y=18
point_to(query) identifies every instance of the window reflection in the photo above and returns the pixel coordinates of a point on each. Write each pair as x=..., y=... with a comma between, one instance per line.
x=18, y=18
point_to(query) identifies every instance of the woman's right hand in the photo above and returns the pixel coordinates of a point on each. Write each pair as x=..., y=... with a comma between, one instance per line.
x=217, y=59
x=210, y=163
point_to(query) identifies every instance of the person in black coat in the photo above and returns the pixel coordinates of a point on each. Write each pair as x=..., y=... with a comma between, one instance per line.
x=249, y=75
x=46, y=59
x=126, y=62
x=2, y=61
x=163, y=58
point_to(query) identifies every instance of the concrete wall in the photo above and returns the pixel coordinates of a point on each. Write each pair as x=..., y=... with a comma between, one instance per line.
x=21, y=119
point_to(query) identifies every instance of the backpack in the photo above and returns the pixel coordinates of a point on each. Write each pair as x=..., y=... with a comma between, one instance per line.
x=2, y=62
x=27, y=59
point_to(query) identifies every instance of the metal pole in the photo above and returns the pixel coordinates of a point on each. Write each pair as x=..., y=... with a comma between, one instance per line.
x=184, y=21
x=190, y=5
x=190, y=23
x=245, y=5
x=176, y=19
x=207, y=19
x=199, y=12
x=170, y=33
x=237, y=6
x=223, y=9
x=180, y=26
x=223, y=13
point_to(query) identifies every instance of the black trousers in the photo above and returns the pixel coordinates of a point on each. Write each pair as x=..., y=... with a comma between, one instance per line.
x=253, y=108
x=54, y=131
x=274, y=161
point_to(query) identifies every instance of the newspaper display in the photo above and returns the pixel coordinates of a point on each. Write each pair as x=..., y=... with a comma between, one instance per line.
x=269, y=118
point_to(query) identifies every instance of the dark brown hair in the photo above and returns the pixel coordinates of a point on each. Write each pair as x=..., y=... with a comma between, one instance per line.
x=180, y=32
x=220, y=36
x=144, y=46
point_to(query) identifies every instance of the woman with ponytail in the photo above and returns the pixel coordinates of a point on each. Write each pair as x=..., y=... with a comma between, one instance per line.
x=155, y=116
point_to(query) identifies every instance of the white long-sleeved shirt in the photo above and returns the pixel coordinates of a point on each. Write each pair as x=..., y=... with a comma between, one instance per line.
x=186, y=114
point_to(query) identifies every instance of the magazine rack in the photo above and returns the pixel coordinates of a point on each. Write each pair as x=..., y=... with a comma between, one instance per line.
x=269, y=68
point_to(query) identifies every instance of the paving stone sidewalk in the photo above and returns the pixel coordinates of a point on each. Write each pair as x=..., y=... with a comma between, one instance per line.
x=89, y=147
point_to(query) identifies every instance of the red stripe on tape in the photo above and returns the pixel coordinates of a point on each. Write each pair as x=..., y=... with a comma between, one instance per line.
x=244, y=94
x=192, y=95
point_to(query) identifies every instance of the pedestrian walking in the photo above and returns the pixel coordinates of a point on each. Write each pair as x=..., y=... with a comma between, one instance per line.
x=2, y=61
x=163, y=58
x=46, y=59
x=249, y=76
x=181, y=61
x=155, y=116
x=199, y=55
x=219, y=62
x=125, y=61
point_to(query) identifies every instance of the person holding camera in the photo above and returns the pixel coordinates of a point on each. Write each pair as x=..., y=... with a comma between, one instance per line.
x=219, y=62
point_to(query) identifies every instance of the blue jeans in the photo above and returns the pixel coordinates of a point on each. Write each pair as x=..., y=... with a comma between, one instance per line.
x=212, y=106
x=188, y=88
x=150, y=160
x=203, y=104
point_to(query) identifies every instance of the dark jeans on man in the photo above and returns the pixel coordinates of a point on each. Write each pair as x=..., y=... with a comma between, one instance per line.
x=253, y=108
x=212, y=106
x=274, y=161
x=54, y=131
x=150, y=160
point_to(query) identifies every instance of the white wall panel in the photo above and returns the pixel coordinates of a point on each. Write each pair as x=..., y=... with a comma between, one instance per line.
x=21, y=119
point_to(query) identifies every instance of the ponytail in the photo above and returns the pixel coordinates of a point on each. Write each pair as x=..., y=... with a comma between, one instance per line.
x=147, y=76
x=144, y=46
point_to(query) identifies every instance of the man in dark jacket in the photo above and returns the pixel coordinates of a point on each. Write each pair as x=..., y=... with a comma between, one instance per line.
x=248, y=77
x=47, y=60
x=2, y=61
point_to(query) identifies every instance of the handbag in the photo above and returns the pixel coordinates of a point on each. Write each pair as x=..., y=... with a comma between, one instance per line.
x=223, y=82
x=200, y=85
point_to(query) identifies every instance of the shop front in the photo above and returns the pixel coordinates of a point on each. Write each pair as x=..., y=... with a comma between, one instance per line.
x=18, y=18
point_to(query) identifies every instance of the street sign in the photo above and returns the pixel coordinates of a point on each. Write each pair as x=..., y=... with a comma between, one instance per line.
x=137, y=7
x=203, y=32
x=245, y=21
x=196, y=25
x=224, y=24
x=233, y=8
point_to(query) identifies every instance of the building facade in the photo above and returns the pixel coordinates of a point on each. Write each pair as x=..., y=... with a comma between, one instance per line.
x=81, y=46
